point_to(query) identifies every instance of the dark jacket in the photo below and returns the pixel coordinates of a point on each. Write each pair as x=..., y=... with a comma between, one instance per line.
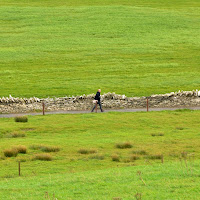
x=97, y=97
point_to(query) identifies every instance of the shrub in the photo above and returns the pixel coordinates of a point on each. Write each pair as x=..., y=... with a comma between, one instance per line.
x=21, y=119
x=140, y=152
x=115, y=158
x=21, y=149
x=124, y=145
x=10, y=152
x=87, y=151
x=134, y=157
x=43, y=156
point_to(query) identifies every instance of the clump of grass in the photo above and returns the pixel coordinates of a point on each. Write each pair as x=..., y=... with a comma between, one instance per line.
x=134, y=157
x=50, y=148
x=154, y=157
x=124, y=145
x=97, y=157
x=87, y=151
x=21, y=119
x=21, y=149
x=10, y=152
x=140, y=152
x=157, y=134
x=115, y=158
x=43, y=156
x=45, y=148
x=15, y=135
x=179, y=128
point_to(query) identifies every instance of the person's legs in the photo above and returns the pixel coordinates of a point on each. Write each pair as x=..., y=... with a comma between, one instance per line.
x=93, y=108
x=100, y=106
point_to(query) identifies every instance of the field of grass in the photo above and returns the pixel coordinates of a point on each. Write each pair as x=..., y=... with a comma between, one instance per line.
x=94, y=175
x=58, y=48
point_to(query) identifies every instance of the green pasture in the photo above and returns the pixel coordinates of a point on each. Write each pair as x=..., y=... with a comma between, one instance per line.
x=71, y=175
x=59, y=48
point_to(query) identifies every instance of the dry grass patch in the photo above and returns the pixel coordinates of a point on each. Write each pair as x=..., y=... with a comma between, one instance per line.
x=97, y=157
x=43, y=156
x=21, y=119
x=115, y=158
x=134, y=157
x=140, y=152
x=154, y=157
x=124, y=145
x=15, y=135
x=21, y=149
x=157, y=134
x=50, y=148
x=10, y=152
x=45, y=148
x=87, y=151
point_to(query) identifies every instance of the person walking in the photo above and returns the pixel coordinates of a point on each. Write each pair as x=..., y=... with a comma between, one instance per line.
x=98, y=100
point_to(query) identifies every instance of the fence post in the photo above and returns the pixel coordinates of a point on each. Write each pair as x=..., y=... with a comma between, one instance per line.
x=96, y=106
x=147, y=104
x=43, y=107
x=19, y=168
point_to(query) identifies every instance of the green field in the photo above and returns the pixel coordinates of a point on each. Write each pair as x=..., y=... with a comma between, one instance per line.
x=72, y=175
x=59, y=48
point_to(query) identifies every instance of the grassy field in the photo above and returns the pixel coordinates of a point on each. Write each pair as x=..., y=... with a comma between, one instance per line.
x=72, y=175
x=58, y=48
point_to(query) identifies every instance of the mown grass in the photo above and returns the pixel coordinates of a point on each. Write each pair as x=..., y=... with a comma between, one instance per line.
x=163, y=181
x=102, y=132
x=58, y=48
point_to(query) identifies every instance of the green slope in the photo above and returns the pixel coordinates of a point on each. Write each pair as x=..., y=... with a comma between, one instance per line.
x=58, y=48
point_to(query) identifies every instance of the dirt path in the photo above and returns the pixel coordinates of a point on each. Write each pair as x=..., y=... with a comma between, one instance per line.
x=81, y=112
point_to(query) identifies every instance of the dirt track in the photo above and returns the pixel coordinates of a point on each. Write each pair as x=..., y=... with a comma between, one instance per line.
x=81, y=112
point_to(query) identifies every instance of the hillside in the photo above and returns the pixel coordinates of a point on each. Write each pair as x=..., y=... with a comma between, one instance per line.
x=58, y=48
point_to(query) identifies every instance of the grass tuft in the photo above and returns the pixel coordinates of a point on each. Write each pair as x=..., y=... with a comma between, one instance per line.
x=87, y=151
x=43, y=156
x=21, y=149
x=15, y=135
x=134, y=157
x=50, y=148
x=21, y=119
x=45, y=148
x=97, y=157
x=10, y=152
x=157, y=134
x=115, y=158
x=140, y=152
x=124, y=145
x=154, y=157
